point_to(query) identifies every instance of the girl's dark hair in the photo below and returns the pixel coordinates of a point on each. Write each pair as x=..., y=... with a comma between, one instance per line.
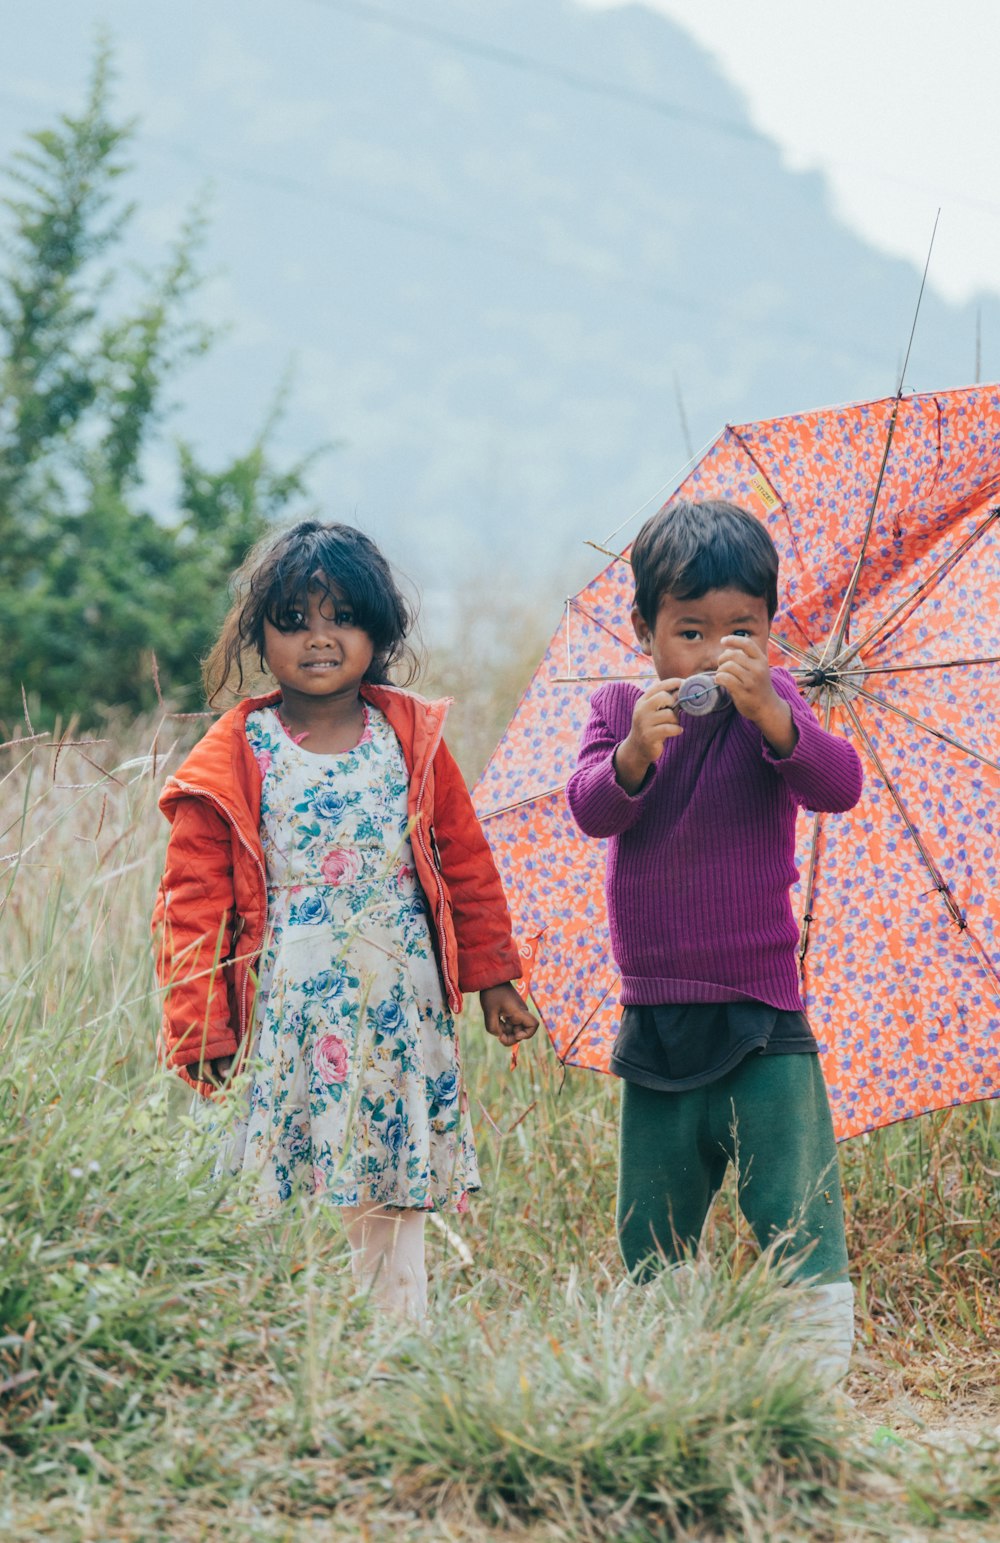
x=689, y=548
x=274, y=581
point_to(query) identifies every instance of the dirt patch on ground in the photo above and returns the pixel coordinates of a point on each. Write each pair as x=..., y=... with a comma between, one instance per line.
x=930, y=1394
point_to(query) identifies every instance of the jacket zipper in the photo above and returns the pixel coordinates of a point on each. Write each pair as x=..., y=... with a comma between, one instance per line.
x=190, y=787
x=450, y=986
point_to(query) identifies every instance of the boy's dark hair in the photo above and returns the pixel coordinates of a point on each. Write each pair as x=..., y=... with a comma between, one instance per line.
x=689, y=548
x=274, y=581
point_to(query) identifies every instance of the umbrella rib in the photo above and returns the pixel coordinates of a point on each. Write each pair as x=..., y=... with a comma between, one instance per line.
x=940, y=885
x=569, y=679
x=618, y=557
x=929, y=863
x=939, y=572
x=810, y=890
x=811, y=872
x=786, y=512
x=919, y=723
x=792, y=649
x=564, y=1059
x=836, y=638
x=788, y=611
x=603, y=626
x=589, y=680
x=521, y=803
x=789, y=648
x=988, y=967
x=932, y=664
x=844, y=615
x=675, y=482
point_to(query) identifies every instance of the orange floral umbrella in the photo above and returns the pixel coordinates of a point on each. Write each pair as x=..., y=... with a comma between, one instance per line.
x=885, y=516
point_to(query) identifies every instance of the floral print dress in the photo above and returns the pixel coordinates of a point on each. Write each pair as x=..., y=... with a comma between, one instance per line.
x=356, y=1091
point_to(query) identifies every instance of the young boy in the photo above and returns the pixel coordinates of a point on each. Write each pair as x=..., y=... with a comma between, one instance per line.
x=717, y=1057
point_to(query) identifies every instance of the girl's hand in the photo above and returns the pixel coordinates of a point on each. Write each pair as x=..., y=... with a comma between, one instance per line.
x=744, y=671
x=654, y=721
x=218, y=1070
x=505, y=1014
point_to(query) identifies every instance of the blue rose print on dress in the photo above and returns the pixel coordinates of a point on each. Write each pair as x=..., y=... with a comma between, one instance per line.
x=388, y=1017
x=328, y=804
x=329, y=984
x=443, y=1089
x=393, y=1131
x=310, y=911
x=298, y=1142
x=442, y=1099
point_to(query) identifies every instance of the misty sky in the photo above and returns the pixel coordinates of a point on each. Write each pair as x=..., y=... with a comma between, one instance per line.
x=894, y=103
x=476, y=375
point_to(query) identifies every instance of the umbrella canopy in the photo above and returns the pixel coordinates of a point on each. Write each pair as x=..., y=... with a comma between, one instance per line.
x=885, y=516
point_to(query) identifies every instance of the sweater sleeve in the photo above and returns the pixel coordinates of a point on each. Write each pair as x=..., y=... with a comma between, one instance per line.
x=598, y=802
x=823, y=771
x=487, y=954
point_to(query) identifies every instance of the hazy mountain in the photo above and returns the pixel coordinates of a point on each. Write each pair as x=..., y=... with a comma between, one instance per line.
x=493, y=280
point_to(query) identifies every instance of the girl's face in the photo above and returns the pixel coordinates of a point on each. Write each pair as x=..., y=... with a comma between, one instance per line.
x=687, y=637
x=327, y=655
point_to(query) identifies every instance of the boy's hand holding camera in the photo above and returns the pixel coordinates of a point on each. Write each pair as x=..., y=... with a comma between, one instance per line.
x=743, y=670
x=654, y=721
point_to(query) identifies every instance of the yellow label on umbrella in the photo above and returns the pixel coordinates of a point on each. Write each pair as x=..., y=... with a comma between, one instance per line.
x=764, y=491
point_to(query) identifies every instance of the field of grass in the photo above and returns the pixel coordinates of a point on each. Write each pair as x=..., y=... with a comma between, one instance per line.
x=171, y=1366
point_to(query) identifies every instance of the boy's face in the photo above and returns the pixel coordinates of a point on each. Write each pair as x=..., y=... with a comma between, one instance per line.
x=686, y=638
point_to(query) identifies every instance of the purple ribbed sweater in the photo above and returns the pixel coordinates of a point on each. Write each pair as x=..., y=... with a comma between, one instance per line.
x=701, y=859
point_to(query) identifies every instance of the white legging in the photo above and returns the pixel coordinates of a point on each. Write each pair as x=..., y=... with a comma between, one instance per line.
x=387, y=1257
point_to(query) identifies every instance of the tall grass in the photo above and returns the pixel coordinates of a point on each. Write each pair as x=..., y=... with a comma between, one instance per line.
x=169, y=1363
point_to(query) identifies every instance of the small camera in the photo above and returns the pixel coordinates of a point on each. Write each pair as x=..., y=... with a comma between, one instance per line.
x=700, y=695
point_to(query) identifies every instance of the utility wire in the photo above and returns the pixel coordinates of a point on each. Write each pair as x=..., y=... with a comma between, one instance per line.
x=438, y=230
x=531, y=257
x=457, y=235
x=512, y=58
x=643, y=100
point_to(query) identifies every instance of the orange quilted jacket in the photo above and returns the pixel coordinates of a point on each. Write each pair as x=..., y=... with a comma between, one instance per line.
x=211, y=910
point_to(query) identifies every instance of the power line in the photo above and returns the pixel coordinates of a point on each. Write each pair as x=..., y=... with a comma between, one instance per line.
x=438, y=230
x=512, y=58
x=457, y=235
x=595, y=86
x=394, y=219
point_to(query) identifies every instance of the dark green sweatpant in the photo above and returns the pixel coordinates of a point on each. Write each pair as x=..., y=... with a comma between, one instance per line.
x=771, y=1116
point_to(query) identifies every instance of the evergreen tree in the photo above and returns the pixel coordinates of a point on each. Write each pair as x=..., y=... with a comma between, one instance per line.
x=92, y=585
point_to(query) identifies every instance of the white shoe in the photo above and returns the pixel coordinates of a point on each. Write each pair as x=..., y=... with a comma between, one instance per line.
x=826, y=1313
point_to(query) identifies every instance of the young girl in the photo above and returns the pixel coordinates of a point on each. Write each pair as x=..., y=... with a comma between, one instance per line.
x=327, y=897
